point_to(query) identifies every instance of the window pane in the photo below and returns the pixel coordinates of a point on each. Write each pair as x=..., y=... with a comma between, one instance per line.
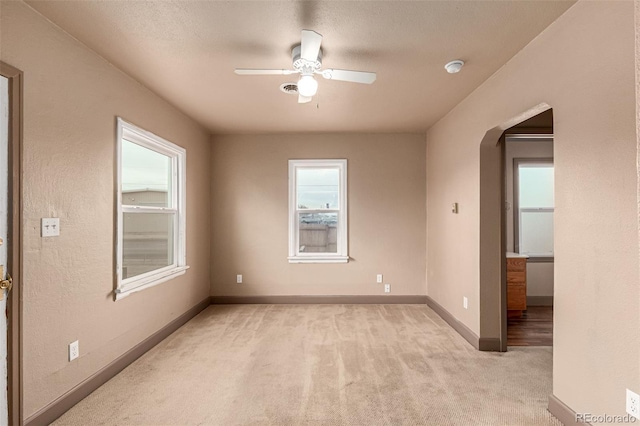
x=318, y=188
x=146, y=176
x=535, y=186
x=536, y=233
x=147, y=243
x=318, y=232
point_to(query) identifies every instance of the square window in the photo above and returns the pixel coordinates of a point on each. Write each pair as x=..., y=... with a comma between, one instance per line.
x=318, y=211
x=151, y=210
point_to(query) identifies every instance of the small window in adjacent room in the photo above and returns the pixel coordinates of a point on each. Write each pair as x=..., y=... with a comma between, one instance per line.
x=535, y=206
x=151, y=210
x=318, y=211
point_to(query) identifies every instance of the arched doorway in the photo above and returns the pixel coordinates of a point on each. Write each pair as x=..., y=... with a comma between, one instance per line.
x=493, y=245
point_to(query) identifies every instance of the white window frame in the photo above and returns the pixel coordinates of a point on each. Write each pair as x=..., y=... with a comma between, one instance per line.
x=517, y=227
x=341, y=255
x=178, y=155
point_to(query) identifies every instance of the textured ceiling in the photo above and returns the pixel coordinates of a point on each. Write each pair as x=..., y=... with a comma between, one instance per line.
x=186, y=52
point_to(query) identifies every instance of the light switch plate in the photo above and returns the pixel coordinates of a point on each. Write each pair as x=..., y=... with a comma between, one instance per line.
x=50, y=226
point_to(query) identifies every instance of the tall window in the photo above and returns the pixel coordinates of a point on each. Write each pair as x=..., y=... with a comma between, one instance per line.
x=151, y=210
x=534, y=214
x=318, y=211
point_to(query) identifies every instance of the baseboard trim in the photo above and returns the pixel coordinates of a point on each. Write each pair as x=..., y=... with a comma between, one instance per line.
x=462, y=329
x=562, y=412
x=61, y=405
x=324, y=300
x=488, y=344
x=539, y=300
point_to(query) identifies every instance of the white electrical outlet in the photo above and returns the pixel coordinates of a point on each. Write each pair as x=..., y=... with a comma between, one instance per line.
x=465, y=302
x=379, y=278
x=387, y=288
x=50, y=226
x=633, y=404
x=239, y=279
x=74, y=350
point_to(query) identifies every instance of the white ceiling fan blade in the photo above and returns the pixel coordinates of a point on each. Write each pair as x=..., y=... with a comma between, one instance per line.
x=352, y=76
x=304, y=99
x=248, y=71
x=310, y=45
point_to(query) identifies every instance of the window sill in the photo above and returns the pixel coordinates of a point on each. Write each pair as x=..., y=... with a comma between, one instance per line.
x=319, y=259
x=148, y=282
x=540, y=259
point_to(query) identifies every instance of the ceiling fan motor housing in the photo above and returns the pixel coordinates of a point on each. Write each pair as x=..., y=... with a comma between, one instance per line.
x=302, y=65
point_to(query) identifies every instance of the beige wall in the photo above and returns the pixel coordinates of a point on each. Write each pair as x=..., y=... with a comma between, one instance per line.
x=637, y=21
x=386, y=198
x=568, y=66
x=540, y=279
x=71, y=100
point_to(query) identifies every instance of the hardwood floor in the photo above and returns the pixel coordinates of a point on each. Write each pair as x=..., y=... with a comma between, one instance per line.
x=535, y=328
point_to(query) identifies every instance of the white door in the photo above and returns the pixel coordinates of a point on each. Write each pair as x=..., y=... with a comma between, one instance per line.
x=4, y=209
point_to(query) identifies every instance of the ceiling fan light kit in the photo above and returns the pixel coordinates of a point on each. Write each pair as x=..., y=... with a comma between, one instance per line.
x=307, y=85
x=307, y=61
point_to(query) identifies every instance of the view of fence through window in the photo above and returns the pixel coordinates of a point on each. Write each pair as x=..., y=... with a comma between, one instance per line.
x=148, y=235
x=318, y=195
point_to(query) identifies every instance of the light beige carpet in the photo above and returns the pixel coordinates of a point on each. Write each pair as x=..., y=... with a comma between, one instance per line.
x=322, y=365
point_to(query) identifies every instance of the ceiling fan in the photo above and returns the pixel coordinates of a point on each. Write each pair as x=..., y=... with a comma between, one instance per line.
x=307, y=61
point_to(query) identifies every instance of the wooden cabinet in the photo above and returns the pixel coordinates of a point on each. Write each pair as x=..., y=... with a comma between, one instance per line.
x=516, y=286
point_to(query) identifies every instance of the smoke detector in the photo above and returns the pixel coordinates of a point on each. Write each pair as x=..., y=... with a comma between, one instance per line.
x=289, y=88
x=454, y=66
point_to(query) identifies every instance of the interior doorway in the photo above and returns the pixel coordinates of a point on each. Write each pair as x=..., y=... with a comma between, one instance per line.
x=528, y=230
x=493, y=239
x=10, y=250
